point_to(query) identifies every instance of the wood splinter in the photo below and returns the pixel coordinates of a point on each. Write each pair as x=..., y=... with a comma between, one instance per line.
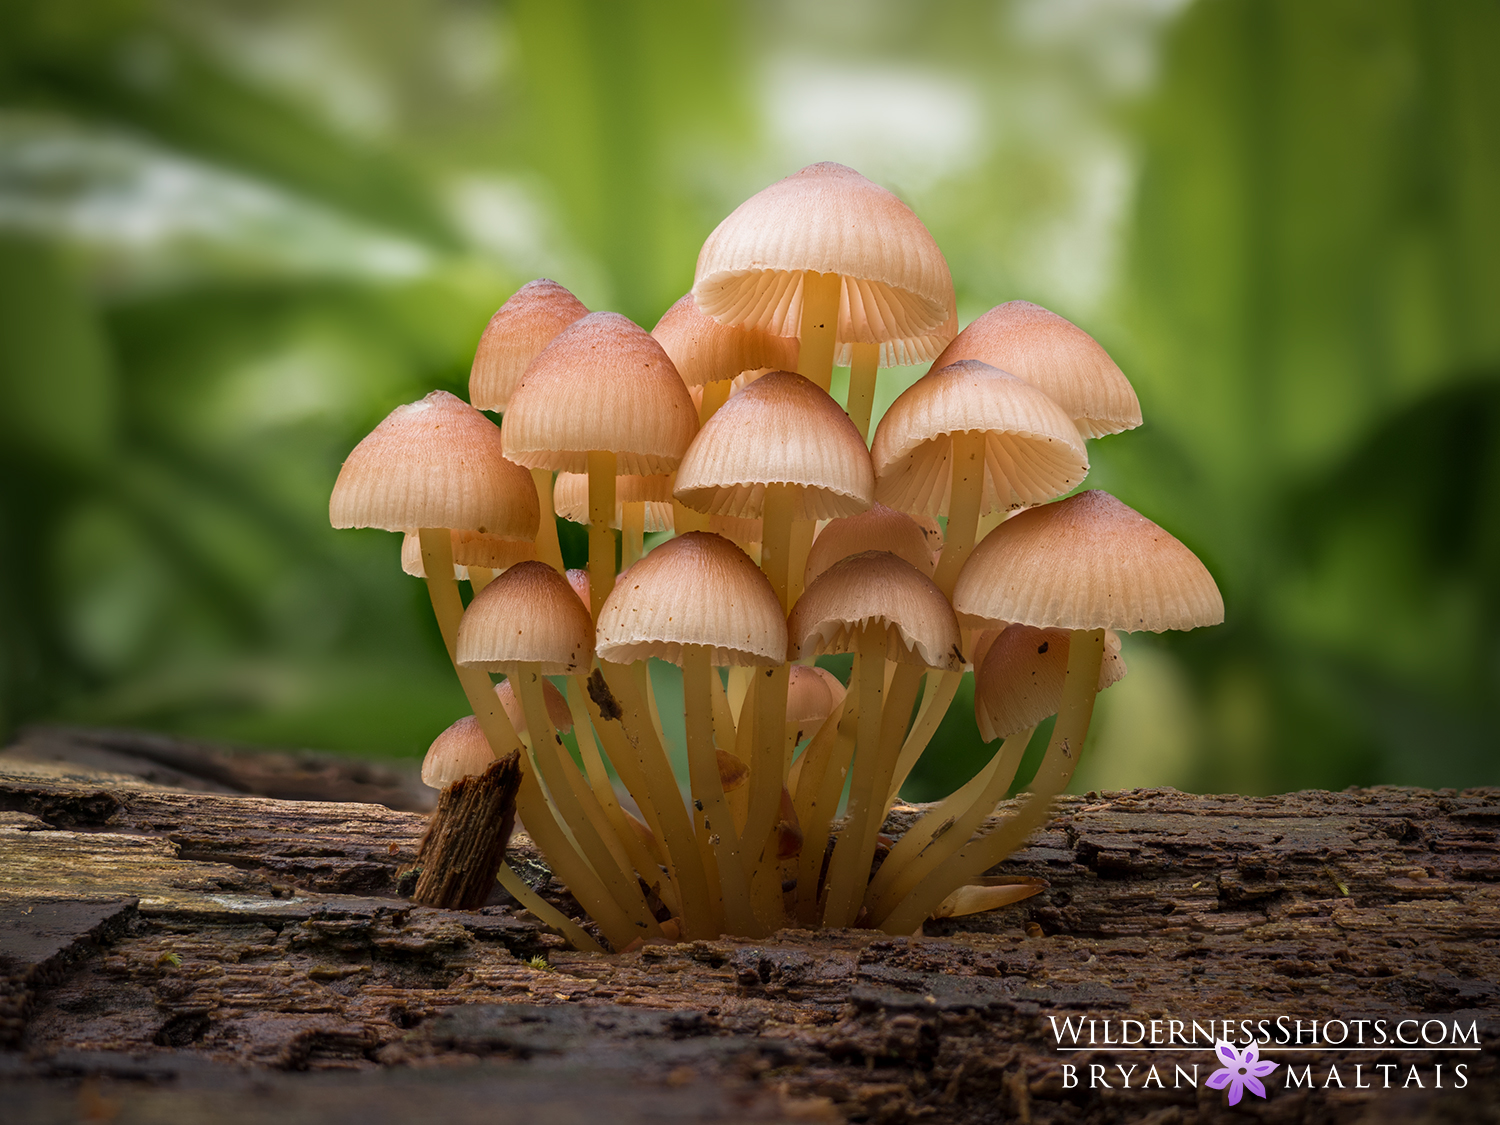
x=464, y=845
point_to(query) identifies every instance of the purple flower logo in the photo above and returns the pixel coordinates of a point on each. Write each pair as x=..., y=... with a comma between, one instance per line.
x=1242, y=1070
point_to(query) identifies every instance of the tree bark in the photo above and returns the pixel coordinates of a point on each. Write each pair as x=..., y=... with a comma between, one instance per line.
x=187, y=955
x=465, y=842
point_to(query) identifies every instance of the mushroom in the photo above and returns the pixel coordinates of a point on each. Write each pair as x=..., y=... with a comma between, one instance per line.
x=1058, y=357
x=826, y=255
x=602, y=398
x=697, y=601
x=461, y=750
x=882, y=608
x=1085, y=564
x=1019, y=680
x=780, y=449
x=437, y=465
x=528, y=623
x=879, y=529
x=518, y=331
x=969, y=438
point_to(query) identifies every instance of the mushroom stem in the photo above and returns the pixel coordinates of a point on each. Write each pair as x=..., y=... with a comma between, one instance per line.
x=632, y=533
x=1085, y=654
x=717, y=838
x=862, y=368
x=767, y=776
x=966, y=491
x=803, y=532
x=819, y=788
x=715, y=395
x=628, y=756
x=601, y=468
x=846, y=879
x=900, y=698
x=944, y=830
x=579, y=808
x=604, y=791
x=531, y=803
x=636, y=738
x=820, y=320
x=548, y=549
x=937, y=697
x=776, y=538
x=479, y=578
x=550, y=916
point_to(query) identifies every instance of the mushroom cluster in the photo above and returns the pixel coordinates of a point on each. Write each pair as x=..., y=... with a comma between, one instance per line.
x=783, y=531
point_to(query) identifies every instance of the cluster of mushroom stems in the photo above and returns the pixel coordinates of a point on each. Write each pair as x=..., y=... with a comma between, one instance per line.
x=781, y=531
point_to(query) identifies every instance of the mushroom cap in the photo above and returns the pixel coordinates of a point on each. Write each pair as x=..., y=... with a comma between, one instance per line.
x=811, y=695
x=518, y=331
x=528, y=615
x=706, y=351
x=1033, y=451
x=1019, y=682
x=435, y=463
x=784, y=429
x=470, y=548
x=1055, y=355
x=876, y=589
x=1087, y=562
x=602, y=384
x=879, y=529
x=578, y=579
x=570, y=496
x=697, y=589
x=825, y=219
x=557, y=706
x=460, y=751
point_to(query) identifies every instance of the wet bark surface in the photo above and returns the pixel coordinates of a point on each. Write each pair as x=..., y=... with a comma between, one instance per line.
x=170, y=955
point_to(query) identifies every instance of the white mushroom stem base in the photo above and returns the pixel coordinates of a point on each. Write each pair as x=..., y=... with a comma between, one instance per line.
x=1085, y=654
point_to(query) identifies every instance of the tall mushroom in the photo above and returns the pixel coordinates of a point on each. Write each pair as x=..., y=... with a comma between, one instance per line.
x=699, y=602
x=783, y=450
x=827, y=256
x=528, y=623
x=519, y=330
x=882, y=608
x=602, y=398
x=1085, y=564
x=437, y=466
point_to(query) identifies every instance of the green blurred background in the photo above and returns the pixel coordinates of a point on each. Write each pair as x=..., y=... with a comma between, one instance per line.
x=233, y=235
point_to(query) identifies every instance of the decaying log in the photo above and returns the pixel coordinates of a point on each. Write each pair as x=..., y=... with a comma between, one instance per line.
x=212, y=768
x=242, y=959
x=464, y=844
